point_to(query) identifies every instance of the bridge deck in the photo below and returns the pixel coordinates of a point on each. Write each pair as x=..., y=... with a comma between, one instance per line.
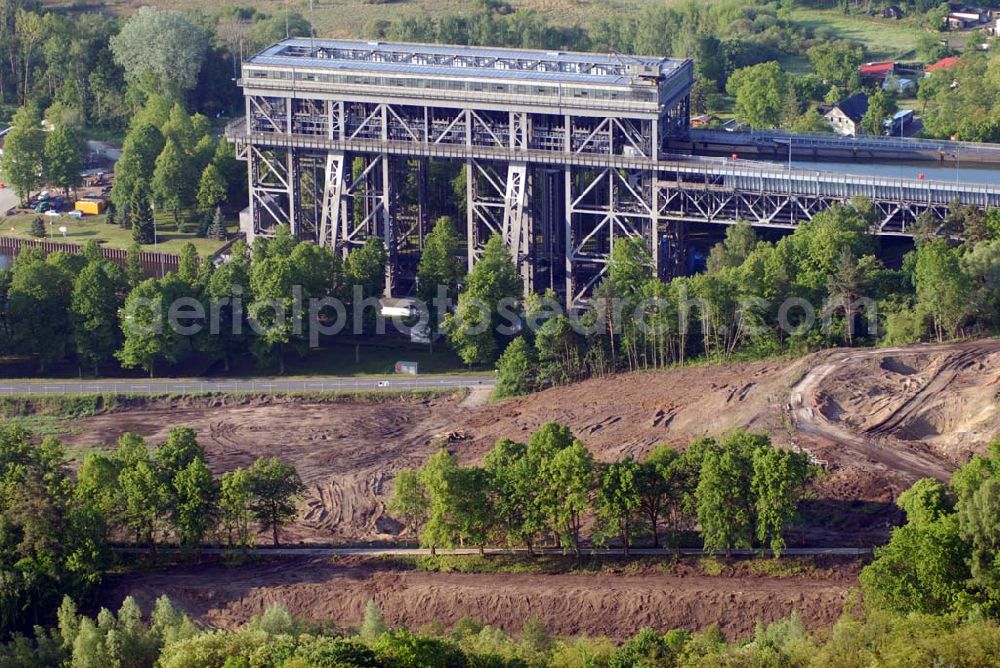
x=684, y=171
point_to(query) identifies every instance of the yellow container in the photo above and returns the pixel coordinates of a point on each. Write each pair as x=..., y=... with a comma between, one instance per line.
x=90, y=206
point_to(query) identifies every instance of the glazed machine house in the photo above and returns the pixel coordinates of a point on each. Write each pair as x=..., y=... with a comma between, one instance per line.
x=563, y=155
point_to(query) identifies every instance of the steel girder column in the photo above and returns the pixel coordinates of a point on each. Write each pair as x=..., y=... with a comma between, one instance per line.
x=334, y=189
x=271, y=189
x=499, y=204
x=547, y=225
x=388, y=223
x=602, y=206
x=294, y=184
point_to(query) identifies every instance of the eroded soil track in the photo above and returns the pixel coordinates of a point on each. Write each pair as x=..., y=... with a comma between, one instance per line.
x=917, y=411
x=612, y=604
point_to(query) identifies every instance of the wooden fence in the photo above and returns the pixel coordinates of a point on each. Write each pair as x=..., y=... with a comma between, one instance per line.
x=154, y=265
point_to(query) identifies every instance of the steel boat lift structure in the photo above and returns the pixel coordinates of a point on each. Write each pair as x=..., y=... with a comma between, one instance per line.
x=564, y=154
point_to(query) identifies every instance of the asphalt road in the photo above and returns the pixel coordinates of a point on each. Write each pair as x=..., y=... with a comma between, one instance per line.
x=246, y=385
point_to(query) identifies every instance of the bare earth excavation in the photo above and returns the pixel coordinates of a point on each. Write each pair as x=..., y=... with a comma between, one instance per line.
x=877, y=420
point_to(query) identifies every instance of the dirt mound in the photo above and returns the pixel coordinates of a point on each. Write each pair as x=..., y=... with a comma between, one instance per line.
x=942, y=398
x=346, y=451
x=607, y=604
x=877, y=419
x=628, y=414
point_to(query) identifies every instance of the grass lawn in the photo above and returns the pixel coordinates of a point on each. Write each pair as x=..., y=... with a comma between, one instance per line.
x=333, y=359
x=82, y=230
x=348, y=18
x=372, y=360
x=884, y=39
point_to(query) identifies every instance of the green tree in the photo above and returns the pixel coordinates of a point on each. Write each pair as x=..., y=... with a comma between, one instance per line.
x=811, y=121
x=516, y=494
x=921, y=569
x=657, y=488
x=217, y=228
x=276, y=488
x=141, y=214
x=162, y=50
x=437, y=476
x=211, y=188
x=38, y=228
x=97, y=296
x=515, y=370
x=836, y=62
x=134, y=169
x=23, y=150
x=64, y=158
x=235, y=495
x=133, y=266
x=619, y=498
x=187, y=267
x=366, y=267
x=760, y=91
x=38, y=300
x=178, y=452
x=195, y=507
x=881, y=107
x=571, y=470
x=492, y=285
x=723, y=495
x=373, y=623
x=925, y=502
x=942, y=288
x=172, y=186
x=146, y=497
x=979, y=524
x=148, y=336
x=409, y=500
x=231, y=277
x=54, y=543
x=778, y=479
x=271, y=281
x=733, y=251
x=440, y=262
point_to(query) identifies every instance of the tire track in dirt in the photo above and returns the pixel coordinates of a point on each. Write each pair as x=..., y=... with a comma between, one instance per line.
x=872, y=444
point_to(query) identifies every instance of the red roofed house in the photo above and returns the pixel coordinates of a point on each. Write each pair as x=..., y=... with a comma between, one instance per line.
x=877, y=70
x=943, y=64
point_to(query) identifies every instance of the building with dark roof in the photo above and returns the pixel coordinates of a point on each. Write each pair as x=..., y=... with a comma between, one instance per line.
x=845, y=116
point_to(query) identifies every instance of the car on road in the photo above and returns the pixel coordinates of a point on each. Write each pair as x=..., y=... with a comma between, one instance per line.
x=53, y=213
x=383, y=383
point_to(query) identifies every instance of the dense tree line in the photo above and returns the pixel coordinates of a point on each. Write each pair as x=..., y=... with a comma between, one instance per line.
x=55, y=529
x=721, y=36
x=93, y=69
x=944, y=559
x=170, y=639
x=149, y=495
x=958, y=102
x=82, y=307
x=739, y=492
x=172, y=159
x=821, y=285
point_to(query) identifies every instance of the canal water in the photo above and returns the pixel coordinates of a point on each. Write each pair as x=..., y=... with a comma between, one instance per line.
x=950, y=172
